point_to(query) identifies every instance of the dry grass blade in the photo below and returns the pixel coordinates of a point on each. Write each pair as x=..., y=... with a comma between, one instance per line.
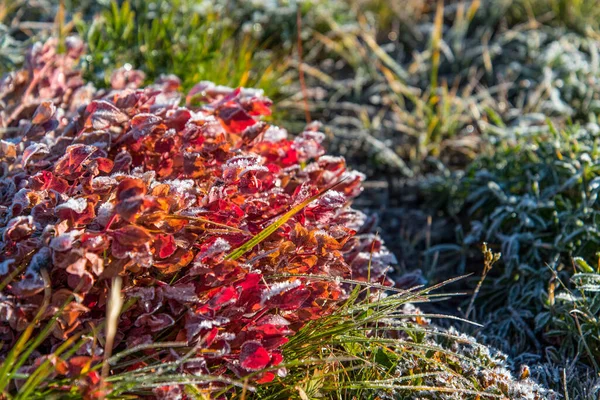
x=301, y=64
x=436, y=40
x=112, y=319
x=380, y=53
x=490, y=258
x=206, y=221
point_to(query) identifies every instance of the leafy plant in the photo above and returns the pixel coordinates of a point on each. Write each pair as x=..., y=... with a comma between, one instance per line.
x=194, y=207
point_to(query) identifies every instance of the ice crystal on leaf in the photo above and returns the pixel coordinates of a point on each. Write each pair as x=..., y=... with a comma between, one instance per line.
x=127, y=182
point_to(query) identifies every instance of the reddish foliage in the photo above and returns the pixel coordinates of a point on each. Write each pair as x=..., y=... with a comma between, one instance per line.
x=126, y=182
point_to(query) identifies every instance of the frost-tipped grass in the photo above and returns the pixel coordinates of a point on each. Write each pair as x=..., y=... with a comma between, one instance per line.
x=378, y=345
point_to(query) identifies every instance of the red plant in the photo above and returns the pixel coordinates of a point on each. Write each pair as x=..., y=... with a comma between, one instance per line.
x=127, y=182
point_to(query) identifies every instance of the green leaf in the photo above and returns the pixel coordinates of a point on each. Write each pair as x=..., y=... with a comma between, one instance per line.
x=583, y=265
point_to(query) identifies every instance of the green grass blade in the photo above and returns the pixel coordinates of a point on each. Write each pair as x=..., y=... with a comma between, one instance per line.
x=265, y=233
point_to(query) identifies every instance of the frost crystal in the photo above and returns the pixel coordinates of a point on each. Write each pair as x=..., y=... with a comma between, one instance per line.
x=76, y=204
x=278, y=288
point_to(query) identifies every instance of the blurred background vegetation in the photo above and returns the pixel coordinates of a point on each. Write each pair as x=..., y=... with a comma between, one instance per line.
x=475, y=121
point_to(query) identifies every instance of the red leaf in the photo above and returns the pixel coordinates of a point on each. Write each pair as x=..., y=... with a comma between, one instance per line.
x=131, y=236
x=222, y=297
x=65, y=241
x=180, y=259
x=36, y=149
x=258, y=106
x=104, y=164
x=290, y=299
x=253, y=356
x=70, y=166
x=234, y=119
x=156, y=322
x=130, y=188
x=77, y=210
x=78, y=363
x=266, y=378
x=130, y=197
x=43, y=113
x=143, y=125
x=276, y=358
x=45, y=180
x=165, y=245
x=18, y=229
x=103, y=115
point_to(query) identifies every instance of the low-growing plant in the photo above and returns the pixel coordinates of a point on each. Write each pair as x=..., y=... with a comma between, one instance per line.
x=535, y=200
x=128, y=183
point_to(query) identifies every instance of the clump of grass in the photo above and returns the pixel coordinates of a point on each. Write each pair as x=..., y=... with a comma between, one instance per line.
x=177, y=38
x=383, y=346
x=399, y=89
x=577, y=15
x=441, y=89
x=571, y=320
